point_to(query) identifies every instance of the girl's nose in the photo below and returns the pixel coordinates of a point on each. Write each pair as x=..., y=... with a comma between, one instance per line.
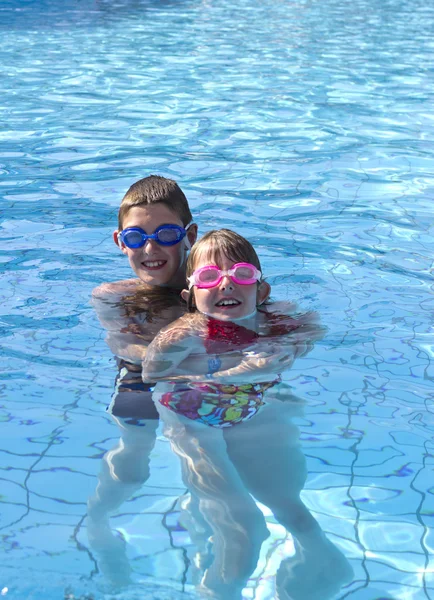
x=226, y=283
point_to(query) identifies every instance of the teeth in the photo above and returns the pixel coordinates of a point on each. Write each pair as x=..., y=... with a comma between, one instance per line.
x=154, y=263
x=227, y=302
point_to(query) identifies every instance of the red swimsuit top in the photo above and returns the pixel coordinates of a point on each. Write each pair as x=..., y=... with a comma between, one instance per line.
x=225, y=336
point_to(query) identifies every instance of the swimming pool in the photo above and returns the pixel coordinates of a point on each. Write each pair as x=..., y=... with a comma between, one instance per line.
x=308, y=127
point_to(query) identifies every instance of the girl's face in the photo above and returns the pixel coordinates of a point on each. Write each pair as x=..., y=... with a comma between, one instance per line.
x=228, y=301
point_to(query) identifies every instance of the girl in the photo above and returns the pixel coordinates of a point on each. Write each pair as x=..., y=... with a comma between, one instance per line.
x=229, y=419
x=229, y=333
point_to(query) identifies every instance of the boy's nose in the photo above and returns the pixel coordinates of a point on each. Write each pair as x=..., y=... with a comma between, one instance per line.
x=150, y=246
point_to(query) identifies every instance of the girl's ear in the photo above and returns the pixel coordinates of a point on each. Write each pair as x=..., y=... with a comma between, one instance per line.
x=118, y=242
x=184, y=295
x=264, y=290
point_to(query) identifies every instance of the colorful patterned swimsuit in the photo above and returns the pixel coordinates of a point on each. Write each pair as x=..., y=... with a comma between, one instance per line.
x=216, y=404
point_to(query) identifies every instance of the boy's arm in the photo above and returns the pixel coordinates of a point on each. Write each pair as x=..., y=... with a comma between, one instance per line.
x=106, y=300
x=125, y=338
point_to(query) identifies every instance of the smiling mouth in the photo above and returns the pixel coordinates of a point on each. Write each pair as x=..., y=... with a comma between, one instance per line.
x=228, y=303
x=153, y=265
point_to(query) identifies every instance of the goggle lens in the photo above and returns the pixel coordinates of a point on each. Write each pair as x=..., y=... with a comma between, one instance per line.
x=244, y=273
x=208, y=276
x=132, y=238
x=168, y=236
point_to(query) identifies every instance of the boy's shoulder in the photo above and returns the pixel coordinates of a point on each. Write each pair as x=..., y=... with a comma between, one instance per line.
x=107, y=291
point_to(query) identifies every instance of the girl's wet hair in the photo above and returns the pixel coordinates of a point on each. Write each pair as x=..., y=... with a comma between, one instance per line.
x=216, y=245
x=150, y=301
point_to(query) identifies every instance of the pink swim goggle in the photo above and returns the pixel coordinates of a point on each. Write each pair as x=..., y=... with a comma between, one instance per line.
x=210, y=275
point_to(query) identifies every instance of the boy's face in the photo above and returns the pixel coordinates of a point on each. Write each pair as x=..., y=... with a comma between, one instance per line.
x=153, y=263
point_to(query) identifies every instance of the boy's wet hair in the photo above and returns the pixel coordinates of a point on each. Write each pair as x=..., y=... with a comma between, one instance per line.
x=155, y=190
x=216, y=245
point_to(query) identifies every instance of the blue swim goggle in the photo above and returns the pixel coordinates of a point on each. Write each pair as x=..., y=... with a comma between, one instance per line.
x=166, y=235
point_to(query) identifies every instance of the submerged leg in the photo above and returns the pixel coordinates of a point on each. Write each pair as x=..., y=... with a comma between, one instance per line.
x=124, y=469
x=274, y=471
x=237, y=525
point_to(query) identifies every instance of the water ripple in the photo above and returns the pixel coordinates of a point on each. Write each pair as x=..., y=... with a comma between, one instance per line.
x=306, y=126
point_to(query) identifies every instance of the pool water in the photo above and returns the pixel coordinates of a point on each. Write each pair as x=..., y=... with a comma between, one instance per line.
x=307, y=127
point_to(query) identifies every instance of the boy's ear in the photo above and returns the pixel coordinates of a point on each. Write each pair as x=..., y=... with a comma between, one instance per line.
x=264, y=290
x=192, y=234
x=184, y=295
x=117, y=241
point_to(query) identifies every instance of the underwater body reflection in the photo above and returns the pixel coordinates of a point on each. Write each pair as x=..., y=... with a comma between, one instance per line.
x=234, y=434
x=227, y=471
x=131, y=319
x=238, y=445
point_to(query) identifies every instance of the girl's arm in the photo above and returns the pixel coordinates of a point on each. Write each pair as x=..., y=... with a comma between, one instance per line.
x=276, y=352
x=166, y=353
x=178, y=353
x=254, y=367
x=179, y=360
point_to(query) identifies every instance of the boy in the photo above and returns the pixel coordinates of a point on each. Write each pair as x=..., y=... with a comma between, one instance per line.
x=155, y=232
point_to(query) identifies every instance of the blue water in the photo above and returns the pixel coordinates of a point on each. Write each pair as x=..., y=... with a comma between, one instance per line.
x=308, y=127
